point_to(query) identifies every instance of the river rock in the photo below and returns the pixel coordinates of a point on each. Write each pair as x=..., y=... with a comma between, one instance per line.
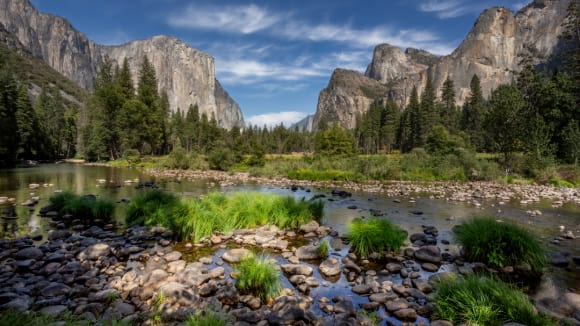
x=55, y=289
x=172, y=256
x=235, y=255
x=430, y=267
x=397, y=305
x=53, y=310
x=383, y=297
x=406, y=314
x=330, y=267
x=58, y=234
x=217, y=272
x=251, y=301
x=310, y=227
x=28, y=253
x=307, y=253
x=362, y=289
x=429, y=254
x=393, y=268
x=559, y=259
x=295, y=269
x=441, y=323
x=422, y=286
x=95, y=251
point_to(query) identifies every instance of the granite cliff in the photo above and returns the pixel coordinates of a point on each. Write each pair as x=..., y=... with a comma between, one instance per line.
x=186, y=74
x=492, y=49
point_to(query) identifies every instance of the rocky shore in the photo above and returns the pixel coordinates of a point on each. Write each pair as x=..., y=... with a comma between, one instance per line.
x=141, y=276
x=474, y=192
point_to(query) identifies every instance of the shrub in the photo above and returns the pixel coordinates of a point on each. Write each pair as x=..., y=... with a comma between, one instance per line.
x=151, y=207
x=321, y=175
x=208, y=318
x=177, y=159
x=258, y=276
x=374, y=235
x=221, y=157
x=83, y=207
x=500, y=244
x=132, y=156
x=485, y=301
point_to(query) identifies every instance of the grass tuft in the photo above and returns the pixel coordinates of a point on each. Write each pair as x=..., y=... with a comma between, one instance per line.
x=485, y=301
x=500, y=244
x=258, y=276
x=374, y=235
x=191, y=219
x=323, y=249
x=83, y=207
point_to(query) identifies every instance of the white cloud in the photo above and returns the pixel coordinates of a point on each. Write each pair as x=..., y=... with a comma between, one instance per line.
x=116, y=37
x=450, y=8
x=248, y=71
x=244, y=19
x=275, y=118
x=249, y=19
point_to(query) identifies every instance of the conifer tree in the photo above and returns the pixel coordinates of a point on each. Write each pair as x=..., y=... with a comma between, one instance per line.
x=472, y=116
x=448, y=112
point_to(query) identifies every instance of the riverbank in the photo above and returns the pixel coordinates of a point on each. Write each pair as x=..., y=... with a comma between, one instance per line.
x=473, y=192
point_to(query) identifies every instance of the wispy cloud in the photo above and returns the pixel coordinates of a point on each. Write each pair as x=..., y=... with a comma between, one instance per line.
x=116, y=37
x=450, y=8
x=244, y=19
x=250, y=19
x=275, y=118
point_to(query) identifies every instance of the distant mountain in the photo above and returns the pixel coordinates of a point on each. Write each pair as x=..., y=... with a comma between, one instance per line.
x=186, y=74
x=304, y=125
x=492, y=50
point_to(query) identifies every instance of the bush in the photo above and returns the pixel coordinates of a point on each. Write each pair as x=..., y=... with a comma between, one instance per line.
x=325, y=175
x=132, y=156
x=500, y=244
x=208, y=318
x=196, y=219
x=177, y=159
x=151, y=206
x=374, y=235
x=221, y=158
x=83, y=207
x=258, y=276
x=485, y=301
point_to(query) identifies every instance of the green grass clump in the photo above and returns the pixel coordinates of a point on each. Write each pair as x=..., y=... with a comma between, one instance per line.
x=208, y=318
x=83, y=207
x=151, y=206
x=485, y=301
x=258, y=276
x=195, y=219
x=16, y=318
x=500, y=244
x=562, y=183
x=374, y=235
x=323, y=249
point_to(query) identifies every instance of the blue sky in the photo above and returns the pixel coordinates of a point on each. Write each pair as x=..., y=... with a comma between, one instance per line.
x=274, y=57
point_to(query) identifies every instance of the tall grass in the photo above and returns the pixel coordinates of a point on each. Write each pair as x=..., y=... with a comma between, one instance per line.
x=374, y=235
x=322, y=175
x=500, y=244
x=150, y=206
x=16, y=318
x=83, y=207
x=323, y=249
x=196, y=219
x=259, y=277
x=485, y=301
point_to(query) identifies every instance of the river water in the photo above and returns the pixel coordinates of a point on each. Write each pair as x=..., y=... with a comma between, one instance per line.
x=119, y=183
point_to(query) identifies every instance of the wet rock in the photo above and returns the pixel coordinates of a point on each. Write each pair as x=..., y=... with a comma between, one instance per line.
x=235, y=255
x=344, y=307
x=429, y=254
x=53, y=310
x=95, y=251
x=58, y=234
x=336, y=244
x=217, y=272
x=430, y=267
x=361, y=289
x=406, y=314
x=208, y=289
x=176, y=266
x=311, y=282
x=28, y=253
x=172, y=256
x=55, y=289
x=559, y=259
x=307, y=253
x=295, y=269
x=330, y=267
x=422, y=286
x=309, y=227
x=123, y=308
x=227, y=295
x=393, y=268
x=383, y=297
x=441, y=323
x=251, y=301
x=397, y=304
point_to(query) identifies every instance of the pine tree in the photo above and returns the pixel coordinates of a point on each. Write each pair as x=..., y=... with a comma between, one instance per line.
x=429, y=116
x=448, y=113
x=8, y=126
x=472, y=115
x=27, y=124
x=124, y=81
x=416, y=121
x=153, y=117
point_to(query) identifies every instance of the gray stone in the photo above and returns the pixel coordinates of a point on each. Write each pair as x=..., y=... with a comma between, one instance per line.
x=397, y=304
x=383, y=297
x=406, y=314
x=53, y=310
x=28, y=253
x=310, y=227
x=124, y=308
x=55, y=289
x=58, y=234
x=559, y=259
x=96, y=251
x=330, y=267
x=430, y=267
x=429, y=254
x=393, y=268
x=307, y=253
x=441, y=323
x=217, y=272
x=235, y=255
x=176, y=266
x=294, y=269
x=172, y=256
x=423, y=286
x=361, y=289
x=251, y=301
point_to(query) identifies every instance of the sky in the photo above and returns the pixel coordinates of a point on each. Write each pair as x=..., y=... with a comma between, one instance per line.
x=274, y=57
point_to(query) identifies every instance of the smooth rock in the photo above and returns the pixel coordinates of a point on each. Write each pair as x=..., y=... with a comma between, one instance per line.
x=330, y=267
x=235, y=255
x=429, y=254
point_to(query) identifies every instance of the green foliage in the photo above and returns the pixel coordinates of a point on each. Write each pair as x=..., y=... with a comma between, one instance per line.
x=500, y=244
x=326, y=175
x=334, y=141
x=150, y=206
x=208, y=318
x=83, y=207
x=258, y=276
x=562, y=183
x=473, y=114
x=132, y=156
x=221, y=158
x=374, y=235
x=376, y=129
x=485, y=301
x=323, y=249
x=440, y=142
x=197, y=219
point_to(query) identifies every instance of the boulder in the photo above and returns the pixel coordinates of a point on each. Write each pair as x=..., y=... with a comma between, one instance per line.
x=28, y=253
x=235, y=255
x=330, y=267
x=295, y=269
x=309, y=227
x=307, y=253
x=429, y=254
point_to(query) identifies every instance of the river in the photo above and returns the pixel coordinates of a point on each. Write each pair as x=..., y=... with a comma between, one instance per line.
x=408, y=212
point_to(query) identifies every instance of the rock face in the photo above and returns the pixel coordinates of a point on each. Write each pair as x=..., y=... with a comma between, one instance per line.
x=492, y=50
x=186, y=74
